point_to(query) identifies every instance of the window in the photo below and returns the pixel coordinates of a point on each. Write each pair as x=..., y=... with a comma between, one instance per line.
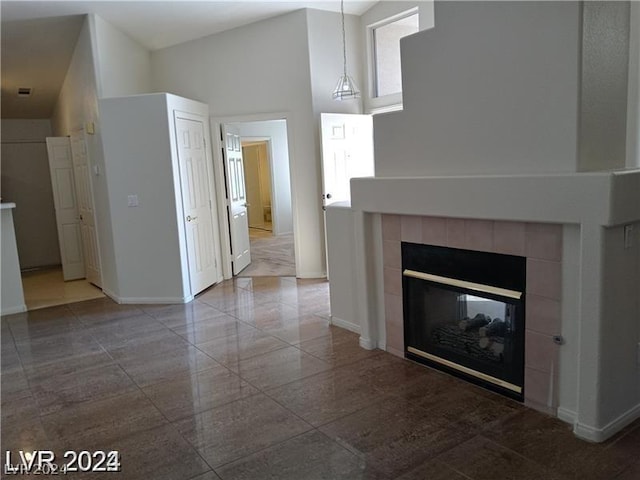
x=386, y=35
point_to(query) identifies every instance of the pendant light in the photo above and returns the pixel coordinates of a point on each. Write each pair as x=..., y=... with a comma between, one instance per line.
x=346, y=88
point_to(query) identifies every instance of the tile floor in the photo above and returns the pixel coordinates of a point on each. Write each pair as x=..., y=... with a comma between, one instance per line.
x=250, y=381
x=46, y=288
x=271, y=255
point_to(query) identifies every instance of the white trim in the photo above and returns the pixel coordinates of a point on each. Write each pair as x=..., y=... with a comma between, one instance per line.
x=598, y=435
x=312, y=274
x=148, y=300
x=219, y=179
x=396, y=107
x=110, y=294
x=157, y=300
x=16, y=309
x=393, y=101
x=566, y=415
x=366, y=343
x=339, y=322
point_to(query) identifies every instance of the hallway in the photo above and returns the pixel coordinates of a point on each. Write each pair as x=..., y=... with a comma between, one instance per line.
x=270, y=255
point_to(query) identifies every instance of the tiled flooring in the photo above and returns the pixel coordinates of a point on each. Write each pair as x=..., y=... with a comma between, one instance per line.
x=270, y=255
x=47, y=288
x=249, y=381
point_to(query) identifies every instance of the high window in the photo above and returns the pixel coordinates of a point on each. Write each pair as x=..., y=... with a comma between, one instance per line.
x=385, y=40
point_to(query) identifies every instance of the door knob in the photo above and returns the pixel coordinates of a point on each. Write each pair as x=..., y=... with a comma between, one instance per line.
x=189, y=218
x=328, y=195
x=246, y=205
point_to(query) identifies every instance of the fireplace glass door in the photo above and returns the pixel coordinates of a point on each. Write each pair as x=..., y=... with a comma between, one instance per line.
x=471, y=329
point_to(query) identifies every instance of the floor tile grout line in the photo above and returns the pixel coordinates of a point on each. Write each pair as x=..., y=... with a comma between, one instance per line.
x=280, y=442
x=385, y=397
x=252, y=453
x=543, y=467
x=169, y=422
x=435, y=459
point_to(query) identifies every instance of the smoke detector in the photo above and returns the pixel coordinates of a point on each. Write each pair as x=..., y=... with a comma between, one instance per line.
x=24, y=91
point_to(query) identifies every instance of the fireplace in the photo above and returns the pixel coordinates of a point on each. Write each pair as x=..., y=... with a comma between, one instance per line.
x=509, y=165
x=464, y=313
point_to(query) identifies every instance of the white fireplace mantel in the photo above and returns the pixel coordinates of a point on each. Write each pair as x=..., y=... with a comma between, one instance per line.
x=601, y=386
x=605, y=199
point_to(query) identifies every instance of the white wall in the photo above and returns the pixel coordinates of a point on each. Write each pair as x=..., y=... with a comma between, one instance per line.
x=620, y=388
x=77, y=101
x=25, y=180
x=486, y=91
x=16, y=130
x=123, y=65
x=341, y=264
x=105, y=62
x=260, y=68
x=604, y=89
x=11, y=293
x=325, y=59
x=276, y=130
x=77, y=106
x=633, y=103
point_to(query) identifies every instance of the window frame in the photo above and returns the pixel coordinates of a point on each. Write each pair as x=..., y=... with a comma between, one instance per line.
x=390, y=102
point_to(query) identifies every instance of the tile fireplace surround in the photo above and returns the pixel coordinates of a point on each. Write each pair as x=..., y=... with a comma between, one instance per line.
x=541, y=244
x=582, y=282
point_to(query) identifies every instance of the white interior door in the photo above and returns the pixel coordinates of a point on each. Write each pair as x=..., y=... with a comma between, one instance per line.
x=66, y=207
x=84, y=195
x=237, y=199
x=347, y=152
x=197, y=202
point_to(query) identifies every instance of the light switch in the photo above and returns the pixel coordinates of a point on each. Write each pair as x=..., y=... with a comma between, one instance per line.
x=132, y=201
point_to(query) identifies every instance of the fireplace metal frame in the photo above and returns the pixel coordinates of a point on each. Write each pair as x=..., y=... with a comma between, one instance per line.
x=463, y=271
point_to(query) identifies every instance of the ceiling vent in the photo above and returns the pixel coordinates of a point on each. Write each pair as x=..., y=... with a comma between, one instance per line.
x=24, y=91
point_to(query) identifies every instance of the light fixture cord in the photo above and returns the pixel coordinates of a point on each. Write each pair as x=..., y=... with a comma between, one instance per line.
x=344, y=41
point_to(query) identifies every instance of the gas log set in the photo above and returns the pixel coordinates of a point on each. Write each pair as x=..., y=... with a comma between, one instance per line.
x=480, y=336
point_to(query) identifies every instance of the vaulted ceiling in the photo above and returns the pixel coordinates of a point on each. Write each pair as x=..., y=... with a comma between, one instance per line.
x=38, y=37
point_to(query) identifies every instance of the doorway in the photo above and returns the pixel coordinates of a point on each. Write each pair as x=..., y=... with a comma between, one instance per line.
x=271, y=254
x=266, y=179
x=257, y=174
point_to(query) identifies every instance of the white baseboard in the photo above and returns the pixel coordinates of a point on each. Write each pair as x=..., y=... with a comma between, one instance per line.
x=367, y=344
x=339, y=322
x=110, y=294
x=14, y=309
x=312, y=275
x=567, y=416
x=598, y=435
x=147, y=300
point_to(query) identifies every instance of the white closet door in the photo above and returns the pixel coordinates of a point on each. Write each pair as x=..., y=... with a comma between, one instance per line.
x=66, y=206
